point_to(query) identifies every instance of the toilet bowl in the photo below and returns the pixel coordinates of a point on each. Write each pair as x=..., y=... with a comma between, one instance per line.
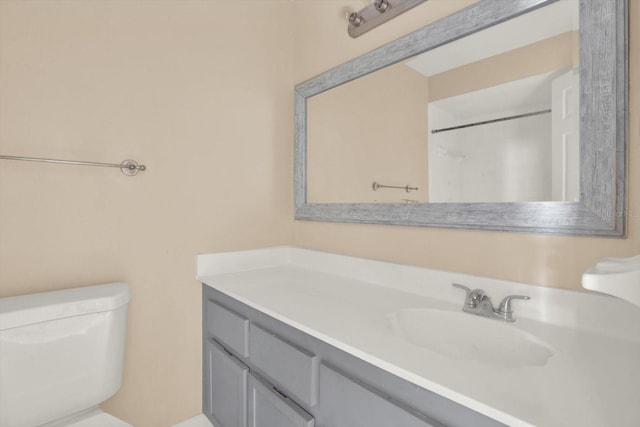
x=61, y=355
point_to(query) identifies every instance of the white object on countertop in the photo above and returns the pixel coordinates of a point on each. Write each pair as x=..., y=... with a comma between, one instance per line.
x=619, y=277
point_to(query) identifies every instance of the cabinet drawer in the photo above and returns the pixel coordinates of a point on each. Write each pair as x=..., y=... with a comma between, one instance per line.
x=269, y=408
x=346, y=402
x=228, y=327
x=292, y=369
x=225, y=387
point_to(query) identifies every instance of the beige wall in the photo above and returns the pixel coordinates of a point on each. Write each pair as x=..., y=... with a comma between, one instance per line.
x=370, y=129
x=540, y=259
x=172, y=84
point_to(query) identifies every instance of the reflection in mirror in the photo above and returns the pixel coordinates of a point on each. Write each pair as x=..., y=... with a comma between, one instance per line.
x=491, y=117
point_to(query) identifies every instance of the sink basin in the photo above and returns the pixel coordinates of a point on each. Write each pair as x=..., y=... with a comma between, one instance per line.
x=465, y=336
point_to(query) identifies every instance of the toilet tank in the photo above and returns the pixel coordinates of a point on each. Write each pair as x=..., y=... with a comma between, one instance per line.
x=60, y=352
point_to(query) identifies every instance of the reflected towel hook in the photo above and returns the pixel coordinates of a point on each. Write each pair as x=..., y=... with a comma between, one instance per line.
x=376, y=186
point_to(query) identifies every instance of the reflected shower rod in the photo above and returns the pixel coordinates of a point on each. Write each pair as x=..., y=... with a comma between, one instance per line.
x=128, y=167
x=486, y=122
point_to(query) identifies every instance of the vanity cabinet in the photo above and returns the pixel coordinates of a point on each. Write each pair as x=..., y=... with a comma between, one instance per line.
x=261, y=372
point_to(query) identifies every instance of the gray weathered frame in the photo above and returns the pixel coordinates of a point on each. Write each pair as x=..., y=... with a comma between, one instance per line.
x=603, y=130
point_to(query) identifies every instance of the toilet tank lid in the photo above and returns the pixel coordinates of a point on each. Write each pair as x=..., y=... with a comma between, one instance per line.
x=41, y=307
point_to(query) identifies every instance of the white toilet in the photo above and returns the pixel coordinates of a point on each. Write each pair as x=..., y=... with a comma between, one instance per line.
x=61, y=355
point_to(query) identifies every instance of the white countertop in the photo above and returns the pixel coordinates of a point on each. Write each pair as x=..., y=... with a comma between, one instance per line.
x=593, y=379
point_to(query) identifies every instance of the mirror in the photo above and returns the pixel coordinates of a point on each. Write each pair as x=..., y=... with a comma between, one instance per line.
x=470, y=121
x=501, y=116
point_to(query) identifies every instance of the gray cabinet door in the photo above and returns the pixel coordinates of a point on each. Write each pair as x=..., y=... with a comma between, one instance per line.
x=225, y=387
x=346, y=402
x=270, y=408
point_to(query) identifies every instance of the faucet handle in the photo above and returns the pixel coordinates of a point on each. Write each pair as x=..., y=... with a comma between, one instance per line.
x=467, y=299
x=505, y=306
x=463, y=287
x=473, y=296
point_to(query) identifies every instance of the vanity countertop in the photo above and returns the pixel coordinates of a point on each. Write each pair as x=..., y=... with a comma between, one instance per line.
x=592, y=379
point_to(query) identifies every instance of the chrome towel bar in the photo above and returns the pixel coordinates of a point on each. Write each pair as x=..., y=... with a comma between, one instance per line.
x=128, y=167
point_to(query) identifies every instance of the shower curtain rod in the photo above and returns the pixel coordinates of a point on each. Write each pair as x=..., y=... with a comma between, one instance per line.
x=486, y=122
x=128, y=167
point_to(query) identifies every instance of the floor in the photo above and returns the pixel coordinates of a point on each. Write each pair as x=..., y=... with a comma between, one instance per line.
x=197, y=421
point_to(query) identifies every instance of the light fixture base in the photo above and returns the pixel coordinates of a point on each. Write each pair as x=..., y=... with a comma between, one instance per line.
x=378, y=12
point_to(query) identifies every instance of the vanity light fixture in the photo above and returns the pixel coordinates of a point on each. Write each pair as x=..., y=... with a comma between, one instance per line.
x=381, y=5
x=378, y=12
x=355, y=19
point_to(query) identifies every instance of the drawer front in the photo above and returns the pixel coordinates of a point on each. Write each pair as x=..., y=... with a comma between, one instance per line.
x=269, y=408
x=345, y=402
x=228, y=327
x=291, y=368
x=225, y=387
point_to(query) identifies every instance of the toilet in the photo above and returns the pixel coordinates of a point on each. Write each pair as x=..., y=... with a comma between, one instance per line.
x=61, y=355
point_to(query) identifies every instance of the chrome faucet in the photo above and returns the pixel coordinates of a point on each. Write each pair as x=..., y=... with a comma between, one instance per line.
x=478, y=303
